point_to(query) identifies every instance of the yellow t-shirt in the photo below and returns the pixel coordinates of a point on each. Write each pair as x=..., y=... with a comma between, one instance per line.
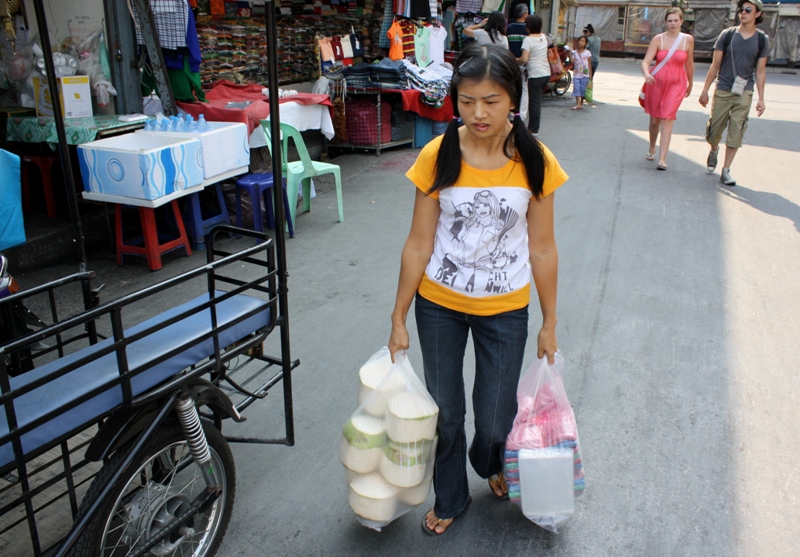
x=481, y=262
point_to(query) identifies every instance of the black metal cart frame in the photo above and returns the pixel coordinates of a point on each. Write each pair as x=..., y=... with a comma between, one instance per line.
x=209, y=350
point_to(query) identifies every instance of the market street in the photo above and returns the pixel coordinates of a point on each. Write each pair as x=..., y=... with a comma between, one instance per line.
x=678, y=304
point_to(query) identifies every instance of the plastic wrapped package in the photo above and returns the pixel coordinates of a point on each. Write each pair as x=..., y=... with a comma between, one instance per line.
x=543, y=464
x=389, y=443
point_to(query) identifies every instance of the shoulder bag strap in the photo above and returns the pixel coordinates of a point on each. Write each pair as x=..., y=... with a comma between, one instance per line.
x=672, y=50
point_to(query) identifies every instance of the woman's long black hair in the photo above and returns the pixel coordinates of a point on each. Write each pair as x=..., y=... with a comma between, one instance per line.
x=495, y=25
x=476, y=63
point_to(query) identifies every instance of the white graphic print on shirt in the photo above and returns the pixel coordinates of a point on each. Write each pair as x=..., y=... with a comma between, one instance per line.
x=481, y=247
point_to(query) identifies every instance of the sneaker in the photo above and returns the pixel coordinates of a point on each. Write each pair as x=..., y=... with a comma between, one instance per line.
x=711, y=162
x=725, y=177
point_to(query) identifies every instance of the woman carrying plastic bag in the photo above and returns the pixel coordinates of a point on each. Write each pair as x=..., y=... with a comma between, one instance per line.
x=389, y=442
x=483, y=217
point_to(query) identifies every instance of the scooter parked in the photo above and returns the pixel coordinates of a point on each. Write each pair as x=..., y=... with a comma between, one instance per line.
x=559, y=83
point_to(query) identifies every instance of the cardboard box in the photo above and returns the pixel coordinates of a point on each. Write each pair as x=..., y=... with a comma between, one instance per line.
x=140, y=166
x=224, y=146
x=76, y=96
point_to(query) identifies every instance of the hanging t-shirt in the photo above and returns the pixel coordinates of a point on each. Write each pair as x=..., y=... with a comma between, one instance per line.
x=422, y=46
x=437, y=38
x=336, y=45
x=468, y=6
x=395, y=35
x=490, y=6
x=409, y=29
x=325, y=49
x=481, y=261
x=420, y=9
x=358, y=46
x=347, y=46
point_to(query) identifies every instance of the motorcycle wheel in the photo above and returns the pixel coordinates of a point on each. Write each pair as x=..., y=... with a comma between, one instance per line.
x=160, y=485
x=562, y=85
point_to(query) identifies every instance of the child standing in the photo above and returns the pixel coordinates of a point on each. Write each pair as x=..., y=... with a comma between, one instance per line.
x=581, y=71
x=482, y=226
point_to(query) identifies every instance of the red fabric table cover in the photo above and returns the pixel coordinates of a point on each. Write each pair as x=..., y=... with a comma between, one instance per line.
x=411, y=99
x=223, y=92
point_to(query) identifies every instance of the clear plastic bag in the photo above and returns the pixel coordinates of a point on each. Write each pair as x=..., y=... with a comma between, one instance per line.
x=389, y=443
x=543, y=465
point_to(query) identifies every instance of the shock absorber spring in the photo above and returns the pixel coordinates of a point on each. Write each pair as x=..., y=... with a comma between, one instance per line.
x=195, y=437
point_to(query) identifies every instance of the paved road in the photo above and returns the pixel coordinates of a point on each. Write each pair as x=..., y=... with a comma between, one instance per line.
x=678, y=319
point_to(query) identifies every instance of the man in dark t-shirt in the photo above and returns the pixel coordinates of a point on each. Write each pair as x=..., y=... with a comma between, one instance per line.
x=739, y=66
x=516, y=33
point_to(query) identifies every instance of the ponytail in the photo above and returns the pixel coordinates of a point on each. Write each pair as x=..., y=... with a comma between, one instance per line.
x=448, y=160
x=529, y=152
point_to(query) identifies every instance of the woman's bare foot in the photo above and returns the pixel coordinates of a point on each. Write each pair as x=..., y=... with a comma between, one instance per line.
x=498, y=485
x=437, y=525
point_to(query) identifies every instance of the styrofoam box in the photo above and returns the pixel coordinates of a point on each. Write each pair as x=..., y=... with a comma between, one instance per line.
x=225, y=146
x=546, y=481
x=140, y=166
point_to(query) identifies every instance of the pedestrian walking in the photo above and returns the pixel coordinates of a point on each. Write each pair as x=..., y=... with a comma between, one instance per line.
x=534, y=56
x=491, y=30
x=668, y=83
x=516, y=33
x=593, y=45
x=739, y=65
x=582, y=72
x=478, y=230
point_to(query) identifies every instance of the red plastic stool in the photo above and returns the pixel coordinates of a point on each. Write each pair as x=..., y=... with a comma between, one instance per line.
x=152, y=248
x=45, y=164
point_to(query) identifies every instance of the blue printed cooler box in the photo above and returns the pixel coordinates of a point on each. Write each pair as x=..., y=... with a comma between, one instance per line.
x=140, y=166
x=225, y=146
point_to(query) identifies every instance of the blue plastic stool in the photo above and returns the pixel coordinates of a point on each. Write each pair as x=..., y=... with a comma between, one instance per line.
x=256, y=185
x=198, y=227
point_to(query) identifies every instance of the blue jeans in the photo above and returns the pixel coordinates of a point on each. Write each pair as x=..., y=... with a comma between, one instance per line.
x=499, y=342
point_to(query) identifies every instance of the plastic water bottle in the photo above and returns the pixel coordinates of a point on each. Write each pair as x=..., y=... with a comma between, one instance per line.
x=202, y=125
x=166, y=125
x=192, y=126
x=178, y=125
x=187, y=119
x=148, y=126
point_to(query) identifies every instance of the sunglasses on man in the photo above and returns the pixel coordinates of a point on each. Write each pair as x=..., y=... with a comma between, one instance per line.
x=747, y=10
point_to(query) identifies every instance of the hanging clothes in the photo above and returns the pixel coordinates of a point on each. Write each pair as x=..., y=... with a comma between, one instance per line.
x=438, y=36
x=171, y=18
x=395, y=35
x=422, y=47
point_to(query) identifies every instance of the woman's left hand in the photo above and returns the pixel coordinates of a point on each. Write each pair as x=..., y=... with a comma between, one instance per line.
x=688, y=91
x=548, y=344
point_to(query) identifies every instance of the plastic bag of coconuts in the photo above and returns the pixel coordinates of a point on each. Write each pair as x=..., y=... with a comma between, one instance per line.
x=389, y=443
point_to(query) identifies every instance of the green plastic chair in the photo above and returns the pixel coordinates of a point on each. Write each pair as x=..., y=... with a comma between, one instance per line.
x=297, y=172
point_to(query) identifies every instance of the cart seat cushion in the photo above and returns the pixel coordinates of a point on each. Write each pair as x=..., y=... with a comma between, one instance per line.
x=97, y=372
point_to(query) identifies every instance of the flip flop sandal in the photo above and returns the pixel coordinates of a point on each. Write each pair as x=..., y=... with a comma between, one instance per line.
x=662, y=166
x=432, y=531
x=496, y=479
x=650, y=156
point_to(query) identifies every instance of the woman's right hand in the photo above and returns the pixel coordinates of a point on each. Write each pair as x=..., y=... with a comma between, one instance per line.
x=398, y=339
x=649, y=79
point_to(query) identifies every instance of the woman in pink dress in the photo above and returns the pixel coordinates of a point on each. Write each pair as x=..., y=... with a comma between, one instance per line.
x=665, y=90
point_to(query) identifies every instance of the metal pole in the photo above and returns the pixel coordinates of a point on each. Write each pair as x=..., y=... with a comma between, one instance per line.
x=63, y=147
x=280, y=214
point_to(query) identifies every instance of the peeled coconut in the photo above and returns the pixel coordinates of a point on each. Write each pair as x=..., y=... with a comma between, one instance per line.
x=403, y=464
x=376, y=399
x=416, y=495
x=372, y=498
x=411, y=418
x=363, y=438
x=372, y=372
